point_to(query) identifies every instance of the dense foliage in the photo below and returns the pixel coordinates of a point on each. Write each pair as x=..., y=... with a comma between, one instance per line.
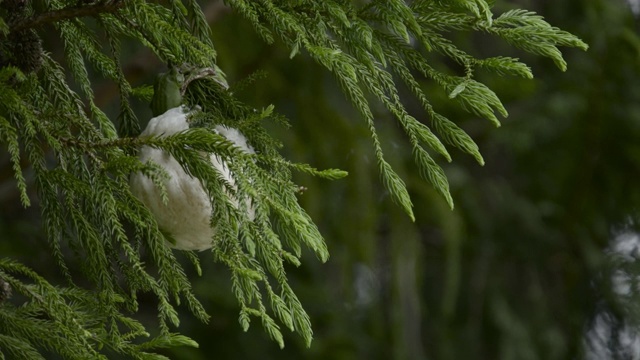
x=424, y=60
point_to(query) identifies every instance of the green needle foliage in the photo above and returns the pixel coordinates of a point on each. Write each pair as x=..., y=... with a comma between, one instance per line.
x=81, y=158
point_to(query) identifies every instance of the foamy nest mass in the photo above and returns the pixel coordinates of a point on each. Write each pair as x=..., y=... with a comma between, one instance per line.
x=187, y=214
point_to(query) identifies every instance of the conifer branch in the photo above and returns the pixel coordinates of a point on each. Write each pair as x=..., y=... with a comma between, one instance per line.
x=86, y=190
x=67, y=13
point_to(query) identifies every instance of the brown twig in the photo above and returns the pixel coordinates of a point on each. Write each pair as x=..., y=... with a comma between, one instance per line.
x=89, y=147
x=67, y=13
x=200, y=74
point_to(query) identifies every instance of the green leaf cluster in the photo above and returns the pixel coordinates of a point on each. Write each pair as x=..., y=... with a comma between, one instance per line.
x=70, y=321
x=369, y=47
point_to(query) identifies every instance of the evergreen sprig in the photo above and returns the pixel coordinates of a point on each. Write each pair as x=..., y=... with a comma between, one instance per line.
x=82, y=160
x=70, y=321
x=364, y=46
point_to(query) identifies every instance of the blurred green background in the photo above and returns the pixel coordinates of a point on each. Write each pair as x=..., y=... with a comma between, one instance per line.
x=537, y=261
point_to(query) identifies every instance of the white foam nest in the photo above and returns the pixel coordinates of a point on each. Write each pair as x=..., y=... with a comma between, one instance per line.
x=187, y=214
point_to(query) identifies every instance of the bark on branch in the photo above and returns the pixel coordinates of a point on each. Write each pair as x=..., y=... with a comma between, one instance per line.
x=67, y=13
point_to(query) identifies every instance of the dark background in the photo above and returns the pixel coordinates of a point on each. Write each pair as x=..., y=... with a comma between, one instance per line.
x=538, y=259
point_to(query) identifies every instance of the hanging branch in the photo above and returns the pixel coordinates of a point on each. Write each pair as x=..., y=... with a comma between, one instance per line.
x=68, y=13
x=84, y=189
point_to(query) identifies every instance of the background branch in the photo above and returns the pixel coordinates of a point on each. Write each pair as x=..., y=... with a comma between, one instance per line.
x=67, y=13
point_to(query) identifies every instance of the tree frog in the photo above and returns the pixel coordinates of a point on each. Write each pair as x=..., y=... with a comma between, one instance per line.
x=166, y=91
